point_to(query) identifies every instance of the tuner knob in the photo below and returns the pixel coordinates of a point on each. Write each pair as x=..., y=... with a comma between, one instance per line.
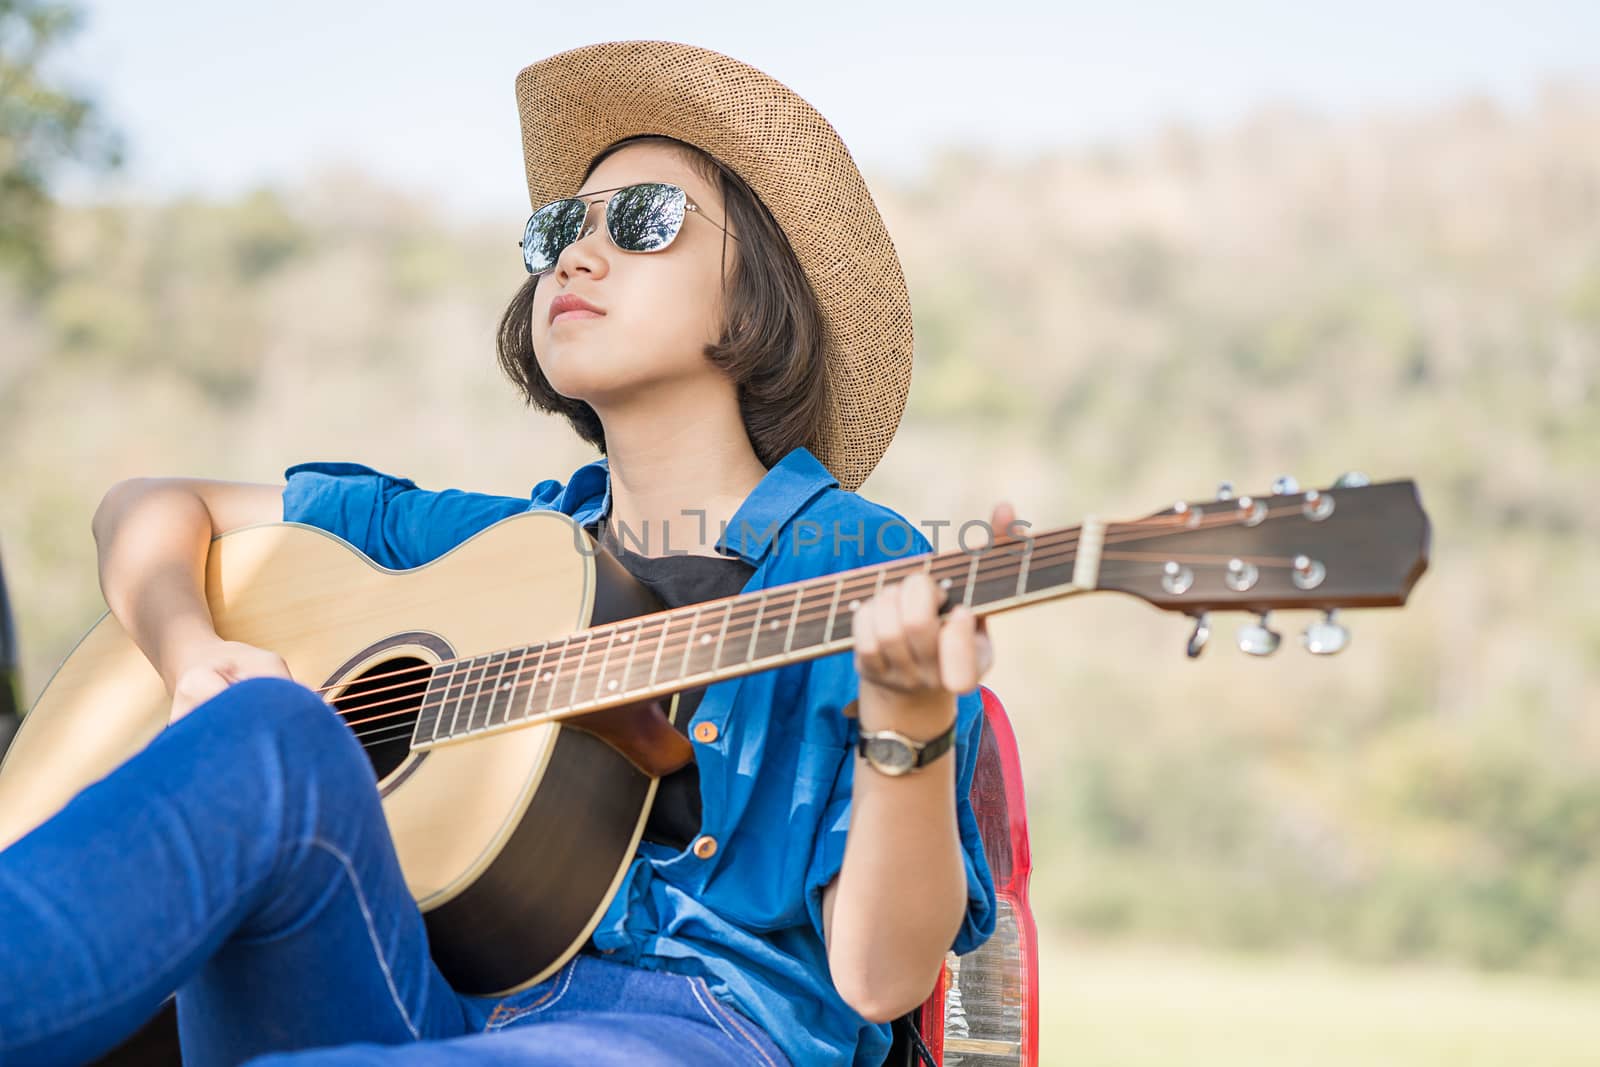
x=1351, y=480
x=1225, y=491
x=1259, y=639
x=1326, y=637
x=1284, y=484
x=1202, y=634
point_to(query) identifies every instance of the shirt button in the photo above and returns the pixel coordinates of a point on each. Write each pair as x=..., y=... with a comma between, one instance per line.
x=705, y=731
x=705, y=846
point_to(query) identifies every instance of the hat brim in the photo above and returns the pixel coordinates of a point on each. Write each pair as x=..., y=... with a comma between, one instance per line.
x=576, y=104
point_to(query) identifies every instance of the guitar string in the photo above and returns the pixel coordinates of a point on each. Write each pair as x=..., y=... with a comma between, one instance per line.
x=1062, y=539
x=1053, y=556
x=404, y=728
x=564, y=711
x=1052, y=559
x=1134, y=563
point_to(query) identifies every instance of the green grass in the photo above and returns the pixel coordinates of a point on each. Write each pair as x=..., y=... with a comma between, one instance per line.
x=1143, y=1007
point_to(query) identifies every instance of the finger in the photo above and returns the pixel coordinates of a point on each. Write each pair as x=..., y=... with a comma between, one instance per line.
x=985, y=647
x=958, y=660
x=1001, y=518
x=985, y=656
x=869, y=657
x=919, y=617
x=892, y=637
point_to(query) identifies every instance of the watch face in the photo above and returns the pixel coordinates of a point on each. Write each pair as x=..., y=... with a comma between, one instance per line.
x=890, y=754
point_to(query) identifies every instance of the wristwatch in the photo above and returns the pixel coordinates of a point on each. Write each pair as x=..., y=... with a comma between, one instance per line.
x=894, y=754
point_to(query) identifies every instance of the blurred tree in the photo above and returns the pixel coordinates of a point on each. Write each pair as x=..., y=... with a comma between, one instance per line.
x=42, y=127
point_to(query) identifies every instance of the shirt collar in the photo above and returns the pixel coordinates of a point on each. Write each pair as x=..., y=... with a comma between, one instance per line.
x=778, y=497
x=786, y=488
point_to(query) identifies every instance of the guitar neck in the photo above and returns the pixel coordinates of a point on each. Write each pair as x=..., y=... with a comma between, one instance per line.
x=655, y=655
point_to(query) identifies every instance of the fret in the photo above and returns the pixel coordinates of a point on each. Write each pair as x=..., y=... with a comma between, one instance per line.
x=1055, y=567
x=577, y=673
x=755, y=631
x=716, y=653
x=688, y=646
x=551, y=675
x=496, y=660
x=833, y=608
x=633, y=646
x=600, y=675
x=476, y=696
x=703, y=650
x=808, y=630
x=769, y=639
x=546, y=674
x=505, y=693
x=972, y=579
x=1022, y=575
x=460, y=698
x=661, y=644
x=429, y=717
x=788, y=642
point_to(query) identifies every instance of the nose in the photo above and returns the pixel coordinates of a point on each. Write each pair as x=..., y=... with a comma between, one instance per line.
x=587, y=252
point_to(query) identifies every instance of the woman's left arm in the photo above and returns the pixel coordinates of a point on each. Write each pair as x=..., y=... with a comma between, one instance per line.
x=898, y=901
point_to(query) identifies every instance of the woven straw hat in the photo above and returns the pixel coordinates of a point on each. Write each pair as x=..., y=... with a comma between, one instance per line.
x=576, y=104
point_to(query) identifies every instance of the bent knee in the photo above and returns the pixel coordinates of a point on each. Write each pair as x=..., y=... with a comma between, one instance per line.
x=292, y=717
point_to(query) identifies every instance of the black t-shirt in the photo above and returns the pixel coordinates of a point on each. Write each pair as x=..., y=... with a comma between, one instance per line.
x=678, y=580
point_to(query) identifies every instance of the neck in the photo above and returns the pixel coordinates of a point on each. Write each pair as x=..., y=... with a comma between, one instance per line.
x=679, y=469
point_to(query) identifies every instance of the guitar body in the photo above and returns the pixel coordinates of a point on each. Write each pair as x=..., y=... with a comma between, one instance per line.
x=512, y=844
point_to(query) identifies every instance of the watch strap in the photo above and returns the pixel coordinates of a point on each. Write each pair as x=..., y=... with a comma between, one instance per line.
x=926, y=751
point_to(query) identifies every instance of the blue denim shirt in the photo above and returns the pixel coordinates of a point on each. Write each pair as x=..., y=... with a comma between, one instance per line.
x=775, y=783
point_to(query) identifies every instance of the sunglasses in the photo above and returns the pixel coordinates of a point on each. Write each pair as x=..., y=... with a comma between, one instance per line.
x=640, y=218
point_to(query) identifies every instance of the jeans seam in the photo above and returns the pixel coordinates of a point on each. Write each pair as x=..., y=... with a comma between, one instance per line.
x=372, y=933
x=541, y=1004
x=695, y=987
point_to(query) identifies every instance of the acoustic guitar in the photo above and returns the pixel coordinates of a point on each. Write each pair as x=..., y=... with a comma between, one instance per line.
x=517, y=695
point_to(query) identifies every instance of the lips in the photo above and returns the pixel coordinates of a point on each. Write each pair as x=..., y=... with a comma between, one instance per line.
x=573, y=307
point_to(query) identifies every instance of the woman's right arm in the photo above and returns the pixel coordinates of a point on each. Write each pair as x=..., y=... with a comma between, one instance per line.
x=153, y=536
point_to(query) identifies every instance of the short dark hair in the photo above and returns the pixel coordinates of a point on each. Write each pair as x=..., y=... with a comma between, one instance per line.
x=771, y=341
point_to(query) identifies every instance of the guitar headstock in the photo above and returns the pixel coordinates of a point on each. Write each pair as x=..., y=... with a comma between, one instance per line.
x=1350, y=545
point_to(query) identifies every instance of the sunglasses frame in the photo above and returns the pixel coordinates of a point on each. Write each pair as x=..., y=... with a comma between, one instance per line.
x=589, y=200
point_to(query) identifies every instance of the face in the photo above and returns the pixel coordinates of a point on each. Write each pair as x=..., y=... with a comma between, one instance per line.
x=660, y=308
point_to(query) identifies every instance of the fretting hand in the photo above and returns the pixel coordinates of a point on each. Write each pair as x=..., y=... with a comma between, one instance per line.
x=912, y=661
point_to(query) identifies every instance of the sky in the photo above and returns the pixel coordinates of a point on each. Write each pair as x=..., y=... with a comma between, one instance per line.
x=220, y=96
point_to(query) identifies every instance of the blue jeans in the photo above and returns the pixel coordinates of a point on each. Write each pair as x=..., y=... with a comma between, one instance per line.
x=242, y=860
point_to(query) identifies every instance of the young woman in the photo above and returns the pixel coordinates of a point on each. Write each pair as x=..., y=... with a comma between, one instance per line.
x=715, y=305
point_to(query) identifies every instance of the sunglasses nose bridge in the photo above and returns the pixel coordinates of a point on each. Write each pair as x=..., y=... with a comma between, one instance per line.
x=584, y=230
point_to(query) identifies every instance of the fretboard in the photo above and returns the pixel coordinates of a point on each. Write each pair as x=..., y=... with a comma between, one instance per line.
x=659, y=654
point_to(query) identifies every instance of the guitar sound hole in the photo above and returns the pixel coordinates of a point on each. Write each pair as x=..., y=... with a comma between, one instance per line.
x=381, y=705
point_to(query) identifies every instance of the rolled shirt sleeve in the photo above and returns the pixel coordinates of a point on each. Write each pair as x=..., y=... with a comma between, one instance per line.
x=387, y=518
x=827, y=857
x=833, y=685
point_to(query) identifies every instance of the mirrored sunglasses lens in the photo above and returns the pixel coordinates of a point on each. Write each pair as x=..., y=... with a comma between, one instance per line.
x=551, y=229
x=645, y=217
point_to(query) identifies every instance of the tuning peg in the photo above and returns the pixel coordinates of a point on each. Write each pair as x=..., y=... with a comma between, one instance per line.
x=1202, y=634
x=1259, y=639
x=1326, y=637
x=1284, y=484
x=1351, y=480
x=1225, y=491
